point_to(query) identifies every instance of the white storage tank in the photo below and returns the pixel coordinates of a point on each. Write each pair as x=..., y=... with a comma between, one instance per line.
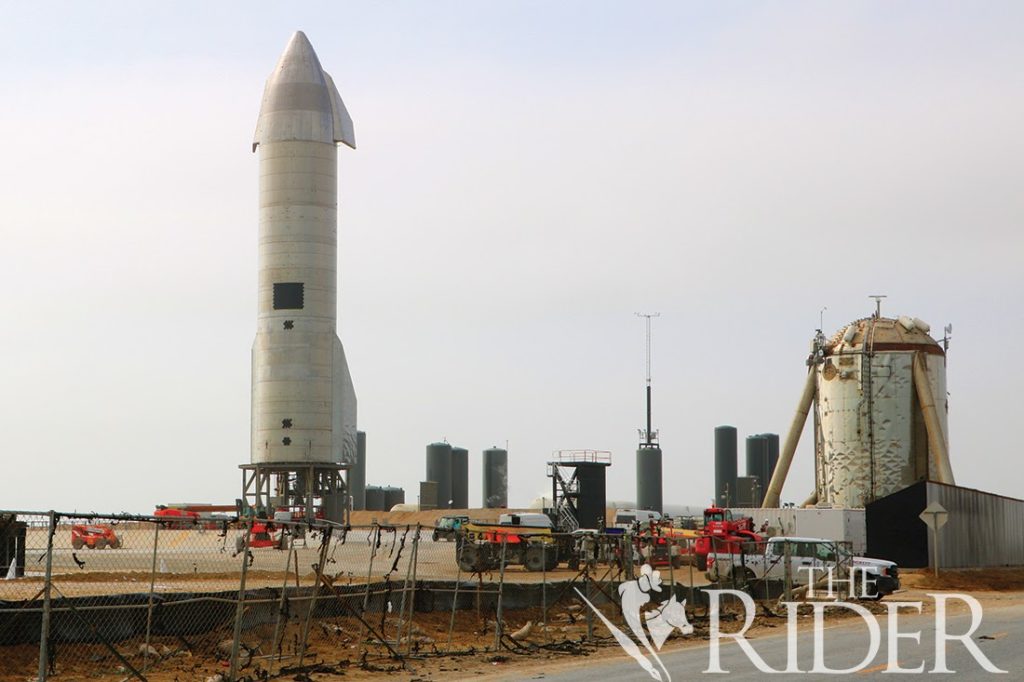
x=873, y=424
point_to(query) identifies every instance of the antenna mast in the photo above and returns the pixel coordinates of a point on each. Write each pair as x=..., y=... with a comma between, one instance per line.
x=648, y=435
x=878, y=304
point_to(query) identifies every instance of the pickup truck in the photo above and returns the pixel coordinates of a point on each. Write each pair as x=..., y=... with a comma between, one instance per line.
x=805, y=554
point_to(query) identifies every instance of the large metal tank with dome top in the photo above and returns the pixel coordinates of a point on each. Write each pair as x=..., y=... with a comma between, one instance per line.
x=877, y=390
x=872, y=436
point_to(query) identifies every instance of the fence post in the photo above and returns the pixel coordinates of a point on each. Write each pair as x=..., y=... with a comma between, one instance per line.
x=787, y=572
x=544, y=583
x=405, y=588
x=412, y=601
x=152, y=588
x=627, y=551
x=590, y=598
x=240, y=609
x=501, y=585
x=375, y=539
x=459, y=544
x=44, y=632
x=670, y=543
x=325, y=543
x=691, y=544
x=275, y=644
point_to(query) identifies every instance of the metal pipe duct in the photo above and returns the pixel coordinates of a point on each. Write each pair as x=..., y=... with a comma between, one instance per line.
x=771, y=497
x=936, y=441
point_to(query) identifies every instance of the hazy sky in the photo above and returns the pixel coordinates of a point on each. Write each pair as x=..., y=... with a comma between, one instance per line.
x=528, y=176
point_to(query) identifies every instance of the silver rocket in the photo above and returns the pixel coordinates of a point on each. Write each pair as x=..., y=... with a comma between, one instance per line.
x=303, y=401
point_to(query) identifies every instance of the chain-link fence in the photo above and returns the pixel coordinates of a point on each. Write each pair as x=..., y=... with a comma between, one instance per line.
x=126, y=597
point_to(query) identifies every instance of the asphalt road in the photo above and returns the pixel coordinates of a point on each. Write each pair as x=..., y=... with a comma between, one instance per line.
x=999, y=638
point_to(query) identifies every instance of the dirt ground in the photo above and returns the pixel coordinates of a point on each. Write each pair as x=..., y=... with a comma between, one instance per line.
x=345, y=649
x=970, y=581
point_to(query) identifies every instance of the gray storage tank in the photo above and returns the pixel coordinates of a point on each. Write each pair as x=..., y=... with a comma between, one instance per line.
x=725, y=466
x=374, y=498
x=393, y=496
x=648, y=477
x=495, y=478
x=460, y=478
x=439, y=469
x=357, y=474
x=428, y=495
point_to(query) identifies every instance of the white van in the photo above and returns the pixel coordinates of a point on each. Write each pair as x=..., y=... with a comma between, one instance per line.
x=628, y=518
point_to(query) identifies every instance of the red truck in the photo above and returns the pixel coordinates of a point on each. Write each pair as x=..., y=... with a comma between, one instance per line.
x=723, y=533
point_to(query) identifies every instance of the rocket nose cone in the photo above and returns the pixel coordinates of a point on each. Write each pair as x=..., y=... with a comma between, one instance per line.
x=301, y=102
x=298, y=62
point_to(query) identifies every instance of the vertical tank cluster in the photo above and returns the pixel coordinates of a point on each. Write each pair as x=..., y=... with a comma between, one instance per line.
x=495, y=478
x=448, y=470
x=383, y=498
x=881, y=410
x=725, y=465
x=762, y=454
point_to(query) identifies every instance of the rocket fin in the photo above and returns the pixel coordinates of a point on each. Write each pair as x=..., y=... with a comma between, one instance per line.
x=344, y=131
x=344, y=417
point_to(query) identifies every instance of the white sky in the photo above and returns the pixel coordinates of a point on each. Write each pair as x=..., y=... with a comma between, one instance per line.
x=528, y=176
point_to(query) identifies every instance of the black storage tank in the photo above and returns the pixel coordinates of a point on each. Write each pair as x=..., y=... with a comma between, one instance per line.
x=393, y=496
x=725, y=466
x=374, y=498
x=460, y=478
x=357, y=474
x=439, y=469
x=757, y=464
x=495, y=478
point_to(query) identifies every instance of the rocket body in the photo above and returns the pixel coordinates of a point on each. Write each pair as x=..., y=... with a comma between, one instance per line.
x=303, y=400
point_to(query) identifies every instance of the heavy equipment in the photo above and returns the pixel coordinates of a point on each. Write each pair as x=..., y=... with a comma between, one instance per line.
x=95, y=536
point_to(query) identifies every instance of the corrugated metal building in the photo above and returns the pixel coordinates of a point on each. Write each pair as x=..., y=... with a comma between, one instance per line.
x=982, y=529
